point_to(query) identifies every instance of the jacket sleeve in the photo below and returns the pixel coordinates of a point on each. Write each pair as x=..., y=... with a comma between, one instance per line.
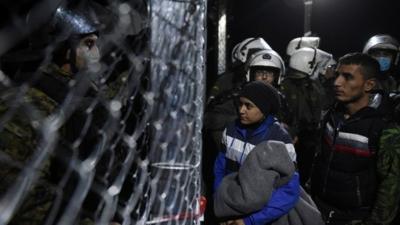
x=388, y=192
x=219, y=169
x=281, y=134
x=281, y=202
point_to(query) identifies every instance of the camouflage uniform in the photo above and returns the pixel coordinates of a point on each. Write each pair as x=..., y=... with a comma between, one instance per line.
x=304, y=100
x=388, y=164
x=19, y=137
x=97, y=96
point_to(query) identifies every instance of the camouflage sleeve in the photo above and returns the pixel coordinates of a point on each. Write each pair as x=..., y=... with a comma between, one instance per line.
x=16, y=152
x=388, y=193
x=18, y=141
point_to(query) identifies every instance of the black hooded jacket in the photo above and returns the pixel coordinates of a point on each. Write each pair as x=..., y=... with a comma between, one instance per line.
x=344, y=173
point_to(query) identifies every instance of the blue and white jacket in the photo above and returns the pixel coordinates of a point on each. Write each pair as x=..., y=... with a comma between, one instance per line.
x=238, y=144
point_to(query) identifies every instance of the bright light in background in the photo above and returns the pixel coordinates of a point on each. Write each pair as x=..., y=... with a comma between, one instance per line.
x=222, y=37
x=307, y=17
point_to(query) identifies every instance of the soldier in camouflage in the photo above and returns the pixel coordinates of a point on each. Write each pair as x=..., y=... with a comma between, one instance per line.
x=77, y=70
x=24, y=110
x=21, y=120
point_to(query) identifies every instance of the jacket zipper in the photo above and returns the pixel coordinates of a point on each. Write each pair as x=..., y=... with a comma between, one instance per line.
x=244, y=149
x=358, y=190
x=331, y=157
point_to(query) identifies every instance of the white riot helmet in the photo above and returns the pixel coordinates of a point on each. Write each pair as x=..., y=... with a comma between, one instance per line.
x=325, y=60
x=309, y=60
x=386, y=43
x=243, y=50
x=266, y=58
x=300, y=42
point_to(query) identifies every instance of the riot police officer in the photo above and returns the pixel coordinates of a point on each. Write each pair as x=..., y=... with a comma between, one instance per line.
x=305, y=102
x=385, y=49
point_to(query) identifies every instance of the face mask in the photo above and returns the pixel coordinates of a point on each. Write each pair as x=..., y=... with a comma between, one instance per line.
x=92, y=55
x=384, y=63
x=87, y=58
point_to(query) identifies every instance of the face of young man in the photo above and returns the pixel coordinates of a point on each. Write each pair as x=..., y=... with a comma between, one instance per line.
x=249, y=112
x=350, y=85
x=87, y=52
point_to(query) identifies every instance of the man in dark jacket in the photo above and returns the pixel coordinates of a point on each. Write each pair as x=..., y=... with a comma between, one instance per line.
x=355, y=179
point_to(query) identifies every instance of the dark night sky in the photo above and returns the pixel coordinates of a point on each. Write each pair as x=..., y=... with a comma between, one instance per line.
x=343, y=25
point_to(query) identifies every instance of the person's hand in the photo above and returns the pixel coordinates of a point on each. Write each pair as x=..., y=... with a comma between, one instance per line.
x=356, y=222
x=236, y=222
x=295, y=140
x=330, y=72
x=240, y=222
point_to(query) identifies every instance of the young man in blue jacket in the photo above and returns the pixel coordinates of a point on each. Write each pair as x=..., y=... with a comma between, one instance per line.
x=259, y=102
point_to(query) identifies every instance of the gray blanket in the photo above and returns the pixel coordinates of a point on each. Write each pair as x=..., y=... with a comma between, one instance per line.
x=305, y=212
x=267, y=167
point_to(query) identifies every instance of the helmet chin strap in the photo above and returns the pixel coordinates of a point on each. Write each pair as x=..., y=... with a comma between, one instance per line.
x=73, y=43
x=72, y=61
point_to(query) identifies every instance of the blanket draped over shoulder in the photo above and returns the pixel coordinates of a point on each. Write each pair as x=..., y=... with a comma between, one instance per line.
x=267, y=167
